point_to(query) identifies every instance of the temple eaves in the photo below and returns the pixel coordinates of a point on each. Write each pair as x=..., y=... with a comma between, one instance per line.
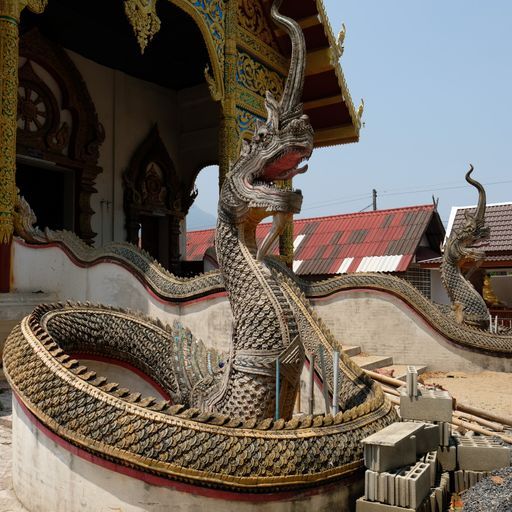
x=326, y=96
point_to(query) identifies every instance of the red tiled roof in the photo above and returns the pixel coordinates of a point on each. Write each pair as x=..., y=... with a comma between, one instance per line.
x=382, y=240
x=498, y=217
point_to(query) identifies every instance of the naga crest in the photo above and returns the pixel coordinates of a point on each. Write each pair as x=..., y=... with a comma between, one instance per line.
x=277, y=148
x=474, y=229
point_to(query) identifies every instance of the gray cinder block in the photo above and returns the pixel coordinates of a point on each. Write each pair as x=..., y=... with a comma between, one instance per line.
x=428, y=405
x=418, y=483
x=402, y=488
x=431, y=459
x=412, y=381
x=445, y=430
x=427, y=439
x=447, y=457
x=392, y=447
x=481, y=453
x=371, y=485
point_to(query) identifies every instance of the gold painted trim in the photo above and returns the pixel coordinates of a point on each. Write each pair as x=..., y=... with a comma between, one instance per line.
x=252, y=102
x=217, y=66
x=261, y=51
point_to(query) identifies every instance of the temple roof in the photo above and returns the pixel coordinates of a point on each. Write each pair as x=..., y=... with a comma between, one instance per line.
x=377, y=241
x=326, y=97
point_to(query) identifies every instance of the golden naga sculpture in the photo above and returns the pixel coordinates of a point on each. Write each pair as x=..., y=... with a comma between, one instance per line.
x=218, y=426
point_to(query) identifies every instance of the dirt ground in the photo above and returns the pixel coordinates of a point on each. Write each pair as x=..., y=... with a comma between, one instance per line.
x=490, y=391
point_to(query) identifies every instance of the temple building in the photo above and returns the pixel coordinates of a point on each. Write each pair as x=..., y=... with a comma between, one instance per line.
x=393, y=241
x=111, y=109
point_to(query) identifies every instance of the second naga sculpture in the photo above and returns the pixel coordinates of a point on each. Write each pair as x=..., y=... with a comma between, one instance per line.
x=468, y=305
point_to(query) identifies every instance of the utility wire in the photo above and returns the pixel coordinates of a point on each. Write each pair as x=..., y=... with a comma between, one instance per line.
x=394, y=192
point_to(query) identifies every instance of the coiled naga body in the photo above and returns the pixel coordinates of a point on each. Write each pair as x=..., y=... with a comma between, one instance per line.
x=469, y=306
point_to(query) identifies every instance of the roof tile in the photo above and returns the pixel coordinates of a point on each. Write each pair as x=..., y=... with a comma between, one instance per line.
x=346, y=242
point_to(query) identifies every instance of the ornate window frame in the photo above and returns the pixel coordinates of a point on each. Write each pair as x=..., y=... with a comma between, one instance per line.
x=82, y=139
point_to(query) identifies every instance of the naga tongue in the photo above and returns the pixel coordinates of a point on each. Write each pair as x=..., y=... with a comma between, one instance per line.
x=293, y=172
x=278, y=226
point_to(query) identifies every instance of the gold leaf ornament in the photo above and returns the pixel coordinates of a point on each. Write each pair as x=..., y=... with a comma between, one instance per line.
x=144, y=20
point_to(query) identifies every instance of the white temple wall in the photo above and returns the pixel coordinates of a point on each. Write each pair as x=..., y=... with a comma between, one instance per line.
x=128, y=108
x=383, y=324
x=437, y=290
x=378, y=322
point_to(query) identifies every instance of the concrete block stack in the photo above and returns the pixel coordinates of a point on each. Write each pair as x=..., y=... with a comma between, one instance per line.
x=402, y=468
x=404, y=459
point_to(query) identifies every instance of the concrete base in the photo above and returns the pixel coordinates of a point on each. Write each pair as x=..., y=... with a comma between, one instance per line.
x=51, y=476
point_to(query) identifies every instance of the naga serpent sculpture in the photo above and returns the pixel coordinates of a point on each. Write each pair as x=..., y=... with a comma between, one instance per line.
x=469, y=306
x=216, y=428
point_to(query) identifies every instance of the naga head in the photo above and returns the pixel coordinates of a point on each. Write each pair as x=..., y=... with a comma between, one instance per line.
x=277, y=149
x=474, y=229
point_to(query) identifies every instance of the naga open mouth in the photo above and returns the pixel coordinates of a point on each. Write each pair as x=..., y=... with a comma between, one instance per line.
x=286, y=165
x=283, y=166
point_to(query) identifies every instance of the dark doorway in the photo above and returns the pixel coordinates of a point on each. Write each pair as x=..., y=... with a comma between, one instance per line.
x=50, y=192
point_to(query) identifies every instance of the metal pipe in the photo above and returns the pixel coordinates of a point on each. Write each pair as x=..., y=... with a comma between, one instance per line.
x=277, y=389
x=336, y=373
x=325, y=385
x=311, y=399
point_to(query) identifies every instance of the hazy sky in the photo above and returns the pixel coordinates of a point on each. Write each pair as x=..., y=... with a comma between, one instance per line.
x=436, y=77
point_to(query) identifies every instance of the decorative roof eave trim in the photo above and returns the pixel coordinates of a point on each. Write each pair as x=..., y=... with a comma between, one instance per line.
x=327, y=59
x=343, y=134
x=337, y=67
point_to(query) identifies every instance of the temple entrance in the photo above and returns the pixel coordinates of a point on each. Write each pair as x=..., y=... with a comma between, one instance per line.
x=156, y=121
x=50, y=191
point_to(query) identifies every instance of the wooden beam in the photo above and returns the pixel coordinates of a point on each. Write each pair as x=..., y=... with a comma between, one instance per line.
x=323, y=102
x=336, y=135
x=310, y=21
x=318, y=61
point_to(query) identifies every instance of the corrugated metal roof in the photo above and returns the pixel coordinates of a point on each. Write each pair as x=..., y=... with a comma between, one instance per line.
x=376, y=241
x=498, y=217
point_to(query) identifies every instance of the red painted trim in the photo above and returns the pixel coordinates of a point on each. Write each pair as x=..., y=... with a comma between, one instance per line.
x=179, y=486
x=5, y=266
x=123, y=364
x=131, y=271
